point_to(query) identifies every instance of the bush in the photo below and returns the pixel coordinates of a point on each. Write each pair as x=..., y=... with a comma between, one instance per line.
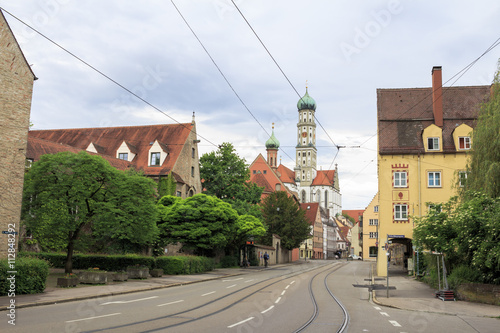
x=463, y=274
x=184, y=264
x=229, y=261
x=30, y=277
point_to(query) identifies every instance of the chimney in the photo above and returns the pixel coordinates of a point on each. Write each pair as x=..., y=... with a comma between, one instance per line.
x=437, y=95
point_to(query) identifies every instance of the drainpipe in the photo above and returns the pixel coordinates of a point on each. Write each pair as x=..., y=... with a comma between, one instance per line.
x=419, y=188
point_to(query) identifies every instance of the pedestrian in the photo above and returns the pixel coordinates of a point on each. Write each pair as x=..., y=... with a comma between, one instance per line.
x=266, y=258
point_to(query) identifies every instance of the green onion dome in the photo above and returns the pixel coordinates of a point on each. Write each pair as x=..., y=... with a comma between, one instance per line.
x=306, y=103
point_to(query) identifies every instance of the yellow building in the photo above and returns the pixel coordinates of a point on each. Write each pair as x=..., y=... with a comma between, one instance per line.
x=423, y=138
x=370, y=230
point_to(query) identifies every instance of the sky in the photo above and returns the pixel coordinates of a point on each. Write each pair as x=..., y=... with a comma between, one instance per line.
x=343, y=51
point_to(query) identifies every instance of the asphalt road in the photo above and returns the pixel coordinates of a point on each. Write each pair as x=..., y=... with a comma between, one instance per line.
x=272, y=300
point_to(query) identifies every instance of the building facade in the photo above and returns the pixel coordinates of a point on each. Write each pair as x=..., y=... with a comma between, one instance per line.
x=370, y=230
x=424, y=135
x=156, y=150
x=16, y=89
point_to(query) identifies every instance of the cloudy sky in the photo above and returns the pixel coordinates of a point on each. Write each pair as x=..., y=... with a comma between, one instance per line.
x=344, y=50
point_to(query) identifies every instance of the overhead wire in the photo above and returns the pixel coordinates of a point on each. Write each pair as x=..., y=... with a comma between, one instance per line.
x=103, y=74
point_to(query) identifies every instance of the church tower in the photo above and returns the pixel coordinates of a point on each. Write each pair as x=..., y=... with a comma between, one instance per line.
x=272, y=146
x=306, y=153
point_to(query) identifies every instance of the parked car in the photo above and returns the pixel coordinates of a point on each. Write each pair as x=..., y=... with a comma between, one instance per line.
x=355, y=257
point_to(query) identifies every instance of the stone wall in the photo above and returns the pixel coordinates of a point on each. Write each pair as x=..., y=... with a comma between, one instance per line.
x=16, y=87
x=481, y=293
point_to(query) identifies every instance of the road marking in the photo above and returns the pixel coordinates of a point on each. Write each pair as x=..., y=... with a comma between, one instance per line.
x=292, y=282
x=241, y=322
x=279, y=299
x=232, y=280
x=179, y=301
x=283, y=292
x=90, y=318
x=233, y=285
x=249, y=280
x=272, y=306
x=377, y=308
x=384, y=314
x=394, y=323
x=287, y=287
x=208, y=293
x=131, y=301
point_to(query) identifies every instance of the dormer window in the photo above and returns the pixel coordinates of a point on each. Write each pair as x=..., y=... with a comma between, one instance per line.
x=432, y=143
x=126, y=151
x=154, y=159
x=464, y=142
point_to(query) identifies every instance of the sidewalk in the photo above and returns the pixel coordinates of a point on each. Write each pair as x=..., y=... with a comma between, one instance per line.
x=414, y=295
x=54, y=295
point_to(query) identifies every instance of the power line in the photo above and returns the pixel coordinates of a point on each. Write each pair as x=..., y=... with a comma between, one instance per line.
x=104, y=75
x=281, y=70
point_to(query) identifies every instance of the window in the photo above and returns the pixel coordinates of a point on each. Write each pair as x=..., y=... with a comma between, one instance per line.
x=434, y=179
x=192, y=171
x=373, y=251
x=254, y=172
x=464, y=142
x=400, y=179
x=193, y=152
x=178, y=193
x=265, y=172
x=123, y=156
x=373, y=234
x=462, y=178
x=373, y=222
x=432, y=143
x=278, y=187
x=155, y=159
x=400, y=212
x=375, y=209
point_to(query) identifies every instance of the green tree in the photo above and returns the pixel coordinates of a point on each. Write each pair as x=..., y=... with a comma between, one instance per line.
x=247, y=227
x=484, y=164
x=226, y=176
x=283, y=216
x=202, y=223
x=67, y=194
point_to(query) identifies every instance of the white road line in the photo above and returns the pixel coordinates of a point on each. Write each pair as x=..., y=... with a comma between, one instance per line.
x=268, y=309
x=283, y=292
x=377, y=308
x=90, y=318
x=179, y=301
x=232, y=280
x=131, y=301
x=249, y=280
x=212, y=292
x=287, y=287
x=279, y=299
x=292, y=282
x=384, y=314
x=241, y=322
x=394, y=323
x=233, y=285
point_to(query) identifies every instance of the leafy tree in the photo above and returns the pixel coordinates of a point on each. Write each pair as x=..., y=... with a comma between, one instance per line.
x=167, y=186
x=201, y=223
x=247, y=227
x=484, y=165
x=68, y=194
x=226, y=176
x=283, y=216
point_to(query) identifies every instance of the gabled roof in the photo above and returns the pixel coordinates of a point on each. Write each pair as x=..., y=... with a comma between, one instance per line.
x=171, y=138
x=264, y=176
x=286, y=175
x=403, y=114
x=38, y=147
x=324, y=177
x=311, y=209
x=354, y=213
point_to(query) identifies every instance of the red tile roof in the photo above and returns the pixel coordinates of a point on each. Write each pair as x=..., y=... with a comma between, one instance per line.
x=403, y=114
x=171, y=137
x=312, y=210
x=324, y=177
x=286, y=175
x=38, y=147
x=354, y=213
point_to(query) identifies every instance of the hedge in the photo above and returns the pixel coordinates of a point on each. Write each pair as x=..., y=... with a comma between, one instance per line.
x=30, y=276
x=171, y=265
